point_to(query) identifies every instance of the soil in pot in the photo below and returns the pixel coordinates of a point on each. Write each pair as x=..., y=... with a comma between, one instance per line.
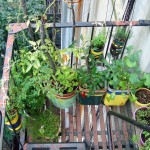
x=143, y=96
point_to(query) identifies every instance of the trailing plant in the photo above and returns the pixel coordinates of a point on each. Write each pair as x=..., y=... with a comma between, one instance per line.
x=99, y=40
x=125, y=74
x=46, y=125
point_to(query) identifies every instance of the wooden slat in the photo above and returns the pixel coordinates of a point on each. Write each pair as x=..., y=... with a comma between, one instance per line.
x=78, y=123
x=102, y=124
x=86, y=125
x=71, y=138
x=94, y=127
x=118, y=137
x=63, y=125
x=124, y=127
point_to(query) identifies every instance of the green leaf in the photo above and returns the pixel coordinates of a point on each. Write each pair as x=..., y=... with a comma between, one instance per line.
x=32, y=43
x=28, y=68
x=112, y=96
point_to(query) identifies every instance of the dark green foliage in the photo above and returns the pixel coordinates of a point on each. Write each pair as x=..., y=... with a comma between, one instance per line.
x=46, y=125
x=99, y=40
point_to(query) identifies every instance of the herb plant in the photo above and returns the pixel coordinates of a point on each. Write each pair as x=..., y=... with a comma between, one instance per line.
x=121, y=33
x=99, y=40
x=146, y=145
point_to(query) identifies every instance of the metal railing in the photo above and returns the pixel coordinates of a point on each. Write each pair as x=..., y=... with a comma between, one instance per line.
x=129, y=120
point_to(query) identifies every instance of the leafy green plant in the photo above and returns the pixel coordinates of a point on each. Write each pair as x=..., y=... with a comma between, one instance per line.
x=46, y=125
x=99, y=40
x=147, y=80
x=121, y=33
x=9, y=135
x=142, y=116
x=91, y=78
x=125, y=74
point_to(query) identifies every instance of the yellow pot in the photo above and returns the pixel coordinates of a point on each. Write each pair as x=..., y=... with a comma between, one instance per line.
x=119, y=100
x=16, y=123
x=138, y=104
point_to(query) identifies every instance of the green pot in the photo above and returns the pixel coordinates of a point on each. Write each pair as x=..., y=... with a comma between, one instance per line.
x=65, y=101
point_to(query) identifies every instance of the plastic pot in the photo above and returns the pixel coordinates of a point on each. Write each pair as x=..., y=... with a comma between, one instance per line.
x=95, y=99
x=64, y=101
x=119, y=100
x=16, y=122
x=139, y=104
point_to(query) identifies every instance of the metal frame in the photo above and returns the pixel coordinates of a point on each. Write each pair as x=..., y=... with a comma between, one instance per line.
x=137, y=124
x=17, y=27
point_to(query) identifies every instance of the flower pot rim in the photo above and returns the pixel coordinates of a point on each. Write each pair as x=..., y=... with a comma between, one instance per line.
x=96, y=91
x=142, y=142
x=66, y=96
x=113, y=90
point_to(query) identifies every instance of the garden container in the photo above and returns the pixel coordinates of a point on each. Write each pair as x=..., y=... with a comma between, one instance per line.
x=94, y=99
x=16, y=123
x=144, y=96
x=64, y=101
x=119, y=100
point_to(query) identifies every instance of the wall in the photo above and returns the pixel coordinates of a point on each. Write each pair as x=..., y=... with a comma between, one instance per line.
x=141, y=35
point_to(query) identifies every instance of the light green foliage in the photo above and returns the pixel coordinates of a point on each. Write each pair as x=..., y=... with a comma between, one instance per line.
x=147, y=80
x=143, y=116
x=121, y=33
x=46, y=125
x=125, y=73
x=99, y=40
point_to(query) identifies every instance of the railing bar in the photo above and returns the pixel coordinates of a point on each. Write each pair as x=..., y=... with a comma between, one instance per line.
x=109, y=42
x=7, y=143
x=71, y=137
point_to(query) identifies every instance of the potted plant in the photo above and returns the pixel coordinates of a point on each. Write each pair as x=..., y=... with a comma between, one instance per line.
x=144, y=137
x=143, y=94
x=15, y=118
x=57, y=81
x=45, y=127
x=98, y=43
x=124, y=79
x=92, y=82
x=118, y=41
x=142, y=115
x=146, y=145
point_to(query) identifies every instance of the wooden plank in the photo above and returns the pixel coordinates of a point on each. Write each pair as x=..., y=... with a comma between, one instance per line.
x=86, y=125
x=118, y=137
x=71, y=138
x=102, y=124
x=63, y=125
x=124, y=127
x=94, y=122
x=78, y=122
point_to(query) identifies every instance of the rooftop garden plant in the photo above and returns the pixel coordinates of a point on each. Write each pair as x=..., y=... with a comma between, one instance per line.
x=125, y=76
x=45, y=126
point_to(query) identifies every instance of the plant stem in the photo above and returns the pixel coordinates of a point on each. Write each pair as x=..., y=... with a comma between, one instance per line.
x=23, y=2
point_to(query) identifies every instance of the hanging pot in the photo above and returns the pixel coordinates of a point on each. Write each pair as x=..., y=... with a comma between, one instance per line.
x=95, y=99
x=119, y=100
x=143, y=97
x=15, y=122
x=64, y=101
